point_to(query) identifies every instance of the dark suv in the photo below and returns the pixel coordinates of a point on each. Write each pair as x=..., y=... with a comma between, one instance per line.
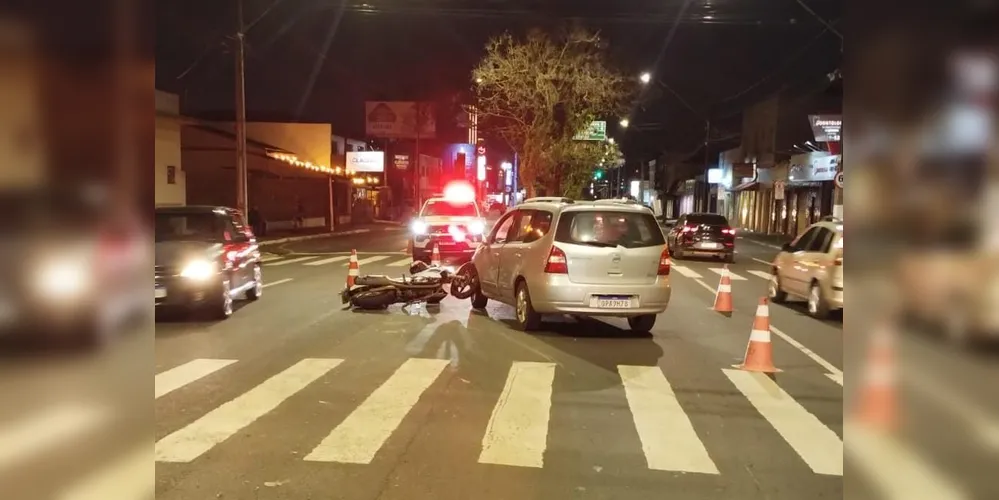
x=702, y=235
x=205, y=257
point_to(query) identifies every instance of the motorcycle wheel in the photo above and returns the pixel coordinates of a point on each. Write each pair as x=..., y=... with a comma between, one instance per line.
x=465, y=281
x=374, y=299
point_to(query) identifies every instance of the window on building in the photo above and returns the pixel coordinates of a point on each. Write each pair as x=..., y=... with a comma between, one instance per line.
x=171, y=174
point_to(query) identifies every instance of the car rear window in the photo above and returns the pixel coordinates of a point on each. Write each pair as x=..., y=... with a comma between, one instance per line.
x=204, y=226
x=609, y=228
x=449, y=209
x=709, y=219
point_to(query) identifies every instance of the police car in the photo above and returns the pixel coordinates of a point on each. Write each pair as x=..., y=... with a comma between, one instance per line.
x=452, y=222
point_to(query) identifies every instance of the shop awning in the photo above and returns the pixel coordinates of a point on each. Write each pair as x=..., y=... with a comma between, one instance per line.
x=746, y=186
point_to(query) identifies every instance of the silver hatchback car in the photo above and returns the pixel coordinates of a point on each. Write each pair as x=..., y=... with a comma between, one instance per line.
x=589, y=258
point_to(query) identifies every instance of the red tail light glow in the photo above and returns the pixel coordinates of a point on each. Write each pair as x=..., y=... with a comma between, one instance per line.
x=557, y=262
x=689, y=229
x=729, y=230
x=664, y=263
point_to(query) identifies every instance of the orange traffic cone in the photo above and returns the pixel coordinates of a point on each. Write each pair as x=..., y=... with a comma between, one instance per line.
x=876, y=406
x=353, y=269
x=723, y=297
x=435, y=257
x=759, y=352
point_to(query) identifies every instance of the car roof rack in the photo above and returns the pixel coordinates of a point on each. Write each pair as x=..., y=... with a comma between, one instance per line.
x=549, y=199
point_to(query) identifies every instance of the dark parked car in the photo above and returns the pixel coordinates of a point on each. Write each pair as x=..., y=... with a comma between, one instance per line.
x=702, y=235
x=205, y=258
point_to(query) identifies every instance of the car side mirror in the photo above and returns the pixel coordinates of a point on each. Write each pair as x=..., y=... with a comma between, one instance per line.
x=786, y=247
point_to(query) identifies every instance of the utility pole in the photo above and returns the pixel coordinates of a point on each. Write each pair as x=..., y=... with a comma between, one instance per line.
x=241, y=173
x=707, y=159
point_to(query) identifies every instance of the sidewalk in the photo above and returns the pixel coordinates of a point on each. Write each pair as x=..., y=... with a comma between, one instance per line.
x=769, y=240
x=309, y=233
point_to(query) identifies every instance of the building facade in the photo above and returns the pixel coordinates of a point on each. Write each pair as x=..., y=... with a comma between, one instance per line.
x=170, y=179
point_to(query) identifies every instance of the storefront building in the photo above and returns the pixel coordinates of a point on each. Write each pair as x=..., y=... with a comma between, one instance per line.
x=811, y=189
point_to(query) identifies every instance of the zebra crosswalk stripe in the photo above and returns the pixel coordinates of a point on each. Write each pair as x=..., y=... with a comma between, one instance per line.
x=667, y=435
x=687, y=272
x=220, y=424
x=292, y=261
x=373, y=258
x=735, y=277
x=401, y=262
x=327, y=261
x=815, y=443
x=42, y=430
x=130, y=476
x=517, y=432
x=175, y=378
x=359, y=437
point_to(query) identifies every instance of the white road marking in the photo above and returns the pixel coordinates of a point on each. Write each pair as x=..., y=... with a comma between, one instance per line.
x=760, y=274
x=46, y=428
x=815, y=443
x=895, y=469
x=359, y=437
x=768, y=245
x=735, y=277
x=402, y=262
x=373, y=258
x=761, y=261
x=668, y=437
x=686, y=271
x=835, y=374
x=517, y=433
x=130, y=477
x=976, y=417
x=271, y=257
x=278, y=282
x=292, y=261
x=706, y=286
x=177, y=377
x=220, y=424
x=330, y=260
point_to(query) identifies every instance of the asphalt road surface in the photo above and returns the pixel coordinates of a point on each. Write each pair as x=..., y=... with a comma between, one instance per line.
x=296, y=398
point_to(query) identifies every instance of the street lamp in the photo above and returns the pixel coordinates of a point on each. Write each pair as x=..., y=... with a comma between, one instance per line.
x=624, y=123
x=610, y=140
x=646, y=77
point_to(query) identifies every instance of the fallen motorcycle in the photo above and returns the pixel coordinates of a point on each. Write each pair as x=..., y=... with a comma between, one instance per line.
x=424, y=284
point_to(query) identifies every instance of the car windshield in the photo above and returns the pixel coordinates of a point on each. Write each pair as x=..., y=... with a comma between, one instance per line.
x=708, y=219
x=187, y=227
x=610, y=229
x=449, y=209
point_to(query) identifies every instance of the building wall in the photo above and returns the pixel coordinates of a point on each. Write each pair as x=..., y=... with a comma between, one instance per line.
x=170, y=178
x=309, y=141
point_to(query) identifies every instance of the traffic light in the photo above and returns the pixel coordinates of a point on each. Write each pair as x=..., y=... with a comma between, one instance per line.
x=599, y=174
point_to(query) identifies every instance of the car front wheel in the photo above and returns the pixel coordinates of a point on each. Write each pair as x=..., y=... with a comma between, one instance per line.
x=221, y=307
x=258, y=284
x=774, y=291
x=818, y=308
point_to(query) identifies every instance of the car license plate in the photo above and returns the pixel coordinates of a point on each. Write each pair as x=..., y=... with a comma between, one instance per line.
x=611, y=302
x=710, y=245
x=159, y=292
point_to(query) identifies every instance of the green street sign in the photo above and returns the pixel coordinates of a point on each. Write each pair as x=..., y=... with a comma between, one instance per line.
x=597, y=131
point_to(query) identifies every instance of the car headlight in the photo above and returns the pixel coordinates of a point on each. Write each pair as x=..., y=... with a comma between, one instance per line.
x=198, y=270
x=418, y=227
x=477, y=227
x=62, y=278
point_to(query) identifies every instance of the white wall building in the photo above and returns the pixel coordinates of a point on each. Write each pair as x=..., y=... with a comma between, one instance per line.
x=171, y=186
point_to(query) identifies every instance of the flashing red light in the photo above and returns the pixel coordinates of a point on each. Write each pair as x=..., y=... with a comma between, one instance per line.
x=458, y=192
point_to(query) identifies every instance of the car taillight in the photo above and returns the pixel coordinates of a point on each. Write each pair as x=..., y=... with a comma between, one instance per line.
x=689, y=229
x=729, y=230
x=557, y=262
x=664, y=263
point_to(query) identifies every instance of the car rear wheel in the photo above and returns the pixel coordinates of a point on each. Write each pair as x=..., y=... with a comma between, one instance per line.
x=258, y=284
x=642, y=324
x=817, y=306
x=527, y=318
x=479, y=300
x=774, y=291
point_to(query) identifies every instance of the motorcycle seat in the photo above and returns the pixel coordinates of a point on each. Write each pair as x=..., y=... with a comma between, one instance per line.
x=383, y=280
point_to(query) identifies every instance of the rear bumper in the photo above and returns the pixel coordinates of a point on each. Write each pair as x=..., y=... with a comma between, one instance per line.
x=557, y=295
x=693, y=249
x=453, y=252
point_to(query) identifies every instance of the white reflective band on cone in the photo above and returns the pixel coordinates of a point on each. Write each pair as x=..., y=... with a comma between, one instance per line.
x=880, y=376
x=759, y=336
x=762, y=311
x=725, y=288
x=352, y=272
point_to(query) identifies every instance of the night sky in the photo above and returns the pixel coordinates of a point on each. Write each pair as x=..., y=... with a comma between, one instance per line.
x=425, y=49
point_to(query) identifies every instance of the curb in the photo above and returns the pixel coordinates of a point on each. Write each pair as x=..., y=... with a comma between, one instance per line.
x=312, y=237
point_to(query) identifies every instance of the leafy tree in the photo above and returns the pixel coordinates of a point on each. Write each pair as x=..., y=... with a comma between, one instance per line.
x=537, y=93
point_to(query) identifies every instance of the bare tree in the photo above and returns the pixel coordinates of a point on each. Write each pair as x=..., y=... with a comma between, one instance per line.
x=538, y=93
